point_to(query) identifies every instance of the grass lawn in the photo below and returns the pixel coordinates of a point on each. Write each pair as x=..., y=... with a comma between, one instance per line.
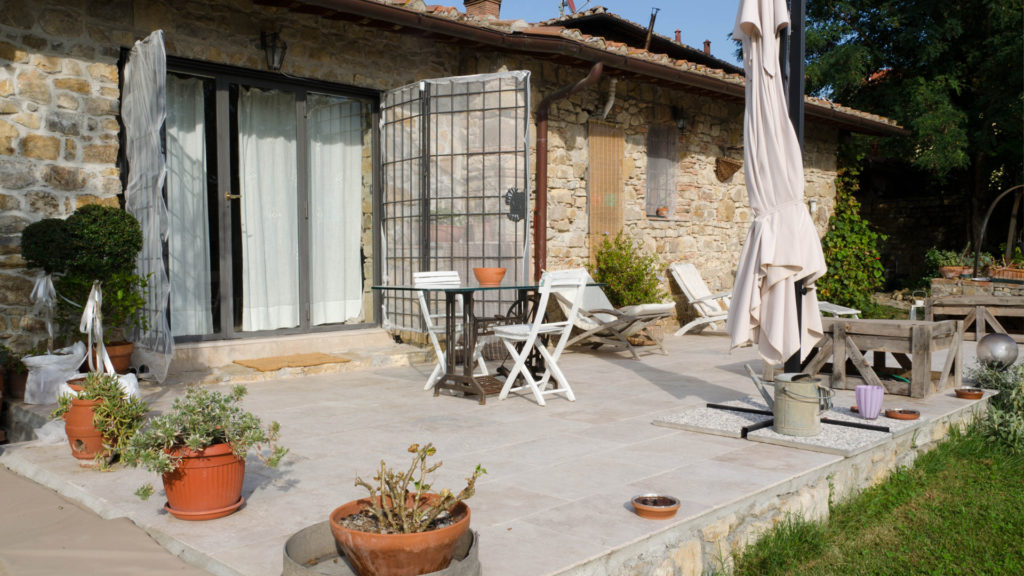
x=959, y=510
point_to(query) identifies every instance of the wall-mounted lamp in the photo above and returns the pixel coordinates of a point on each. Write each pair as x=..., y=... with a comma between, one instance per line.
x=679, y=117
x=812, y=206
x=275, y=48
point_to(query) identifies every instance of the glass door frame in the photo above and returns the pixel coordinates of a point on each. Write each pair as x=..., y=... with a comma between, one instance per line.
x=224, y=77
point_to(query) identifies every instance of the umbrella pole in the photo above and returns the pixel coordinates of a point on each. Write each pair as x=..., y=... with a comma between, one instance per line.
x=794, y=53
x=792, y=363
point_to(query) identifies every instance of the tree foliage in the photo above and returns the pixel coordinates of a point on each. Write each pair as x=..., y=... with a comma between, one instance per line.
x=950, y=72
x=851, y=250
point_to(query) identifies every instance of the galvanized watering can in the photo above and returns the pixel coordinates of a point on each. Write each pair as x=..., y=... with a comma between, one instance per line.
x=798, y=403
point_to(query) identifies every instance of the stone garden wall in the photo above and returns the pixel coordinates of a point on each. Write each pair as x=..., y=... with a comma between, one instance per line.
x=59, y=125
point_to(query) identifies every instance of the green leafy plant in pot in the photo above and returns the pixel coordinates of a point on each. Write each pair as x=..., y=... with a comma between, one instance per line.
x=101, y=419
x=628, y=274
x=402, y=528
x=96, y=243
x=199, y=448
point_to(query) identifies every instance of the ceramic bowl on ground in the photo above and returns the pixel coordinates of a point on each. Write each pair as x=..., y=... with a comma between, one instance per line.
x=655, y=506
x=969, y=393
x=489, y=276
x=902, y=414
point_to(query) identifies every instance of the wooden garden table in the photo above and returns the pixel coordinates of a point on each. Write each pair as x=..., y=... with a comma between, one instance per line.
x=910, y=342
x=983, y=312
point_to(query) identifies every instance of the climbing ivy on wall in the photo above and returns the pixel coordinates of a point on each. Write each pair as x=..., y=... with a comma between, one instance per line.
x=852, y=249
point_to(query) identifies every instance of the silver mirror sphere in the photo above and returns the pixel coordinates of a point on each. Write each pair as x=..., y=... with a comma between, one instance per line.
x=997, y=351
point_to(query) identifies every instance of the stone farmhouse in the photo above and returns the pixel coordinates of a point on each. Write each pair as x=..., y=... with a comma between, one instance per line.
x=611, y=129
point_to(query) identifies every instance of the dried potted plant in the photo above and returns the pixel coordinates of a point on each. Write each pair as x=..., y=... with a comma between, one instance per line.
x=402, y=528
x=1012, y=268
x=199, y=447
x=101, y=419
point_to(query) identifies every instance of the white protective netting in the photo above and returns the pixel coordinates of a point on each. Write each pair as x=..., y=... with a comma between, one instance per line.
x=143, y=110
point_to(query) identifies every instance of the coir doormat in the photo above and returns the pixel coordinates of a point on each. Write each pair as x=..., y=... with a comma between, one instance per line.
x=272, y=363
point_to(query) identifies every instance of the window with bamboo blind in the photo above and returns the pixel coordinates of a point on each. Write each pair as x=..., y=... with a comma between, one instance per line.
x=605, y=201
x=662, y=143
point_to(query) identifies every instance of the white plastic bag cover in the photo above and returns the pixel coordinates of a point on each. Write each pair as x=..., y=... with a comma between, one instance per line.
x=52, y=432
x=47, y=372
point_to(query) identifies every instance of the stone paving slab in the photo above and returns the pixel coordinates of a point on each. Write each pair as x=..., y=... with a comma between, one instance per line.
x=560, y=477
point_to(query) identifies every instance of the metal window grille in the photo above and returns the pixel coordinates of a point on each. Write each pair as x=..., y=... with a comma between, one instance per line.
x=661, y=167
x=453, y=152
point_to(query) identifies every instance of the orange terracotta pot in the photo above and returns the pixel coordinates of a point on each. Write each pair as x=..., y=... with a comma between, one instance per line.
x=83, y=437
x=14, y=386
x=398, y=554
x=120, y=356
x=206, y=485
x=489, y=276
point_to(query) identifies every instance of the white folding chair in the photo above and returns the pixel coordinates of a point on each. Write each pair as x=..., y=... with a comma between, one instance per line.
x=520, y=339
x=431, y=280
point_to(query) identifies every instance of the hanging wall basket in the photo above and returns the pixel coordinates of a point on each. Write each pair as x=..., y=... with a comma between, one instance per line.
x=726, y=167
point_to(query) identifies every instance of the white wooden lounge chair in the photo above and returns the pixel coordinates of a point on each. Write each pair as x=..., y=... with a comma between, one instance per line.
x=710, y=308
x=599, y=323
x=713, y=308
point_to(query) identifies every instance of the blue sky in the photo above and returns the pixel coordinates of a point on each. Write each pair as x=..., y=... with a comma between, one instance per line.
x=698, y=20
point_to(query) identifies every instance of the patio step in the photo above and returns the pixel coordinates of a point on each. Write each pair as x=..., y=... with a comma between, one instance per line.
x=214, y=362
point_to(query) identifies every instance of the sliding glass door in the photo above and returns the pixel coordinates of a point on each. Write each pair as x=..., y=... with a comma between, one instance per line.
x=266, y=191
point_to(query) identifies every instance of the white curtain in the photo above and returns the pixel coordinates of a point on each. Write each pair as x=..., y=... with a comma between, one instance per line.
x=143, y=111
x=267, y=177
x=189, y=240
x=335, y=164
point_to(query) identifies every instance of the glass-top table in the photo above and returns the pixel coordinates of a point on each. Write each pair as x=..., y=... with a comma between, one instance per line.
x=463, y=379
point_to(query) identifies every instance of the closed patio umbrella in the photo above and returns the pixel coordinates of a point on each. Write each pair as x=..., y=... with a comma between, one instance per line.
x=782, y=247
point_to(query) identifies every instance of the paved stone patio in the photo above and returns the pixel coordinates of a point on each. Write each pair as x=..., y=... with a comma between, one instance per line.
x=556, y=496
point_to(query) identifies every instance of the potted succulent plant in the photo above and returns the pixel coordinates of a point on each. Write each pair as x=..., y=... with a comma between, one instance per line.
x=199, y=448
x=947, y=263
x=402, y=528
x=96, y=243
x=101, y=419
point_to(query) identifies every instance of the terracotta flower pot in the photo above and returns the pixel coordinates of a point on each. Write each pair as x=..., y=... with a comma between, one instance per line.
x=120, y=356
x=398, y=554
x=206, y=485
x=14, y=385
x=83, y=437
x=489, y=276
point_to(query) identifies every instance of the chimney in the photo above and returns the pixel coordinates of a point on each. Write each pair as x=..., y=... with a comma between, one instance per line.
x=707, y=47
x=483, y=8
x=679, y=36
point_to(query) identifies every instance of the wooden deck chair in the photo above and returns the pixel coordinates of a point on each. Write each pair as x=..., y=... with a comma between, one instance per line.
x=710, y=308
x=434, y=279
x=520, y=339
x=598, y=322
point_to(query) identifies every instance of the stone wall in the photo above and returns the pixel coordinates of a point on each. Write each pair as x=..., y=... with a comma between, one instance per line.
x=59, y=105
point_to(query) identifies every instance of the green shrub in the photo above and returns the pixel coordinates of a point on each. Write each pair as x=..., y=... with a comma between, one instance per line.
x=851, y=250
x=1004, y=421
x=103, y=241
x=628, y=275
x=44, y=244
x=95, y=243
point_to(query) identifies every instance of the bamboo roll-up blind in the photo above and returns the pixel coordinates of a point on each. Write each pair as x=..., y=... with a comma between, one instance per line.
x=605, y=206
